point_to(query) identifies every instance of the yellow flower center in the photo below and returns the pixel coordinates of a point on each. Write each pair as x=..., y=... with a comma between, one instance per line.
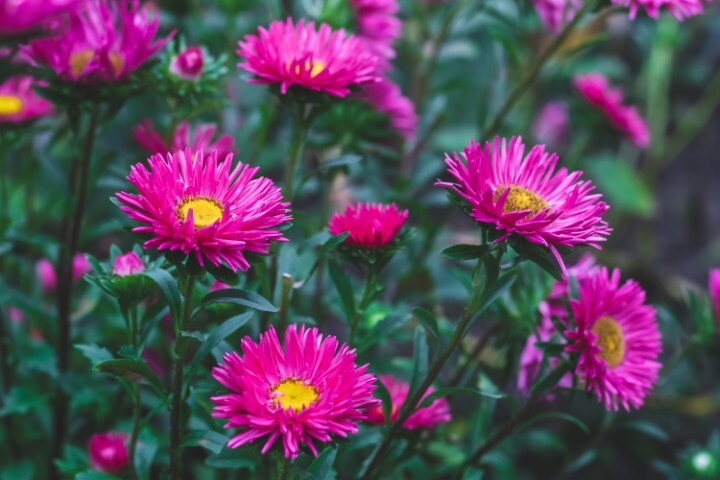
x=206, y=211
x=80, y=60
x=315, y=67
x=295, y=395
x=519, y=199
x=610, y=340
x=10, y=105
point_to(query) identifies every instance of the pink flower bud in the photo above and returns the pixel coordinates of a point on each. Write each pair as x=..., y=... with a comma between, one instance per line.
x=108, y=452
x=16, y=316
x=128, y=264
x=46, y=274
x=80, y=266
x=188, y=65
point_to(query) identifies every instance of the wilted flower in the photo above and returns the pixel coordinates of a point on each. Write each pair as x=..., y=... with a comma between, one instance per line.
x=202, y=139
x=322, y=60
x=617, y=338
x=555, y=14
x=19, y=102
x=552, y=123
x=371, y=225
x=680, y=9
x=303, y=393
x=108, y=452
x=386, y=97
x=596, y=90
x=20, y=16
x=526, y=196
x=188, y=64
x=197, y=204
x=128, y=264
x=427, y=417
x=106, y=42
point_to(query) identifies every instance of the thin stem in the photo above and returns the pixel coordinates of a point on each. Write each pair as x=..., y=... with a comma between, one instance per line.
x=134, y=338
x=297, y=147
x=473, y=356
x=287, y=284
x=177, y=400
x=367, y=297
x=73, y=221
x=534, y=71
x=284, y=469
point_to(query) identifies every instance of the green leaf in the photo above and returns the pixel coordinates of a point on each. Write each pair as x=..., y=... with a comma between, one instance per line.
x=420, y=360
x=386, y=400
x=170, y=290
x=321, y=466
x=238, y=297
x=209, y=439
x=559, y=415
x=187, y=340
x=536, y=254
x=428, y=321
x=129, y=368
x=622, y=186
x=344, y=288
x=95, y=475
x=552, y=379
x=647, y=428
x=94, y=353
x=223, y=274
x=227, y=328
x=466, y=252
x=448, y=391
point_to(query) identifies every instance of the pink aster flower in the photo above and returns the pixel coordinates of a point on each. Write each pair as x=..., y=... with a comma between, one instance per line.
x=377, y=25
x=19, y=102
x=427, y=417
x=386, y=97
x=555, y=14
x=552, y=123
x=322, y=60
x=680, y=9
x=80, y=266
x=617, y=338
x=128, y=264
x=304, y=391
x=218, y=285
x=197, y=204
x=152, y=142
x=45, y=272
x=371, y=225
x=714, y=288
x=596, y=90
x=20, y=16
x=108, y=452
x=527, y=196
x=105, y=42
x=188, y=64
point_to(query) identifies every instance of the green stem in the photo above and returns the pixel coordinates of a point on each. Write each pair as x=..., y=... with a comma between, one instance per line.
x=367, y=297
x=287, y=283
x=134, y=339
x=178, y=371
x=297, y=147
x=284, y=469
x=409, y=406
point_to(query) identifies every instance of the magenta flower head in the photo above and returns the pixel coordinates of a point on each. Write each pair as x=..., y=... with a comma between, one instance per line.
x=377, y=25
x=45, y=272
x=197, y=204
x=152, y=142
x=128, y=264
x=714, y=288
x=302, y=392
x=617, y=339
x=105, y=43
x=370, y=225
x=80, y=266
x=321, y=60
x=386, y=97
x=427, y=417
x=595, y=90
x=552, y=124
x=19, y=103
x=680, y=9
x=188, y=64
x=108, y=452
x=526, y=196
x=21, y=16
x=555, y=14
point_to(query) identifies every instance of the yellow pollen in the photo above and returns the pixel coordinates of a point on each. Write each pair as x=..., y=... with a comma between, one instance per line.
x=10, y=105
x=206, y=211
x=117, y=61
x=519, y=199
x=295, y=395
x=610, y=340
x=315, y=67
x=80, y=60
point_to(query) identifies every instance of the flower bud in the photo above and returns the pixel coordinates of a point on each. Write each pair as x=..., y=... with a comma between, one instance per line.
x=108, y=452
x=128, y=264
x=188, y=65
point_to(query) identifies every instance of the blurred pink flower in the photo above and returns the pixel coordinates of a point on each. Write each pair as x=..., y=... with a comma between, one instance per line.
x=80, y=266
x=680, y=9
x=322, y=60
x=371, y=225
x=377, y=25
x=108, y=452
x=45, y=272
x=152, y=142
x=714, y=289
x=188, y=64
x=555, y=14
x=16, y=316
x=19, y=102
x=218, y=285
x=596, y=90
x=386, y=97
x=106, y=42
x=128, y=264
x=303, y=391
x=427, y=417
x=552, y=124
x=21, y=16
x=617, y=338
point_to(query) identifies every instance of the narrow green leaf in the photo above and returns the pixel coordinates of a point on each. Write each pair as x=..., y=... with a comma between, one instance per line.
x=466, y=252
x=238, y=297
x=559, y=415
x=344, y=288
x=94, y=353
x=187, y=340
x=227, y=328
x=551, y=379
x=428, y=320
x=420, y=359
x=170, y=290
x=130, y=369
x=386, y=400
x=321, y=466
x=448, y=391
x=209, y=439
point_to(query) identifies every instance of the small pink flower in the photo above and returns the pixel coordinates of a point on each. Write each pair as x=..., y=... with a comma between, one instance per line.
x=108, y=452
x=301, y=392
x=322, y=60
x=20, y=16
x=555, y=14
x=128, y=264
x=378, y=26
x=152, y=142
x=19, y=103
x=16, y=316
x=427, y=417
x=80, y=266
x=680, y=9
x=45, y=272
x=200, y=205
x=617, y=339
x=527, y=195
x=386, y=97
x=714, y=288
x=188, y=64
x=371, y=225
x=552, y=123
x=596, y=90
x=106, y=42
x=218, y=285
